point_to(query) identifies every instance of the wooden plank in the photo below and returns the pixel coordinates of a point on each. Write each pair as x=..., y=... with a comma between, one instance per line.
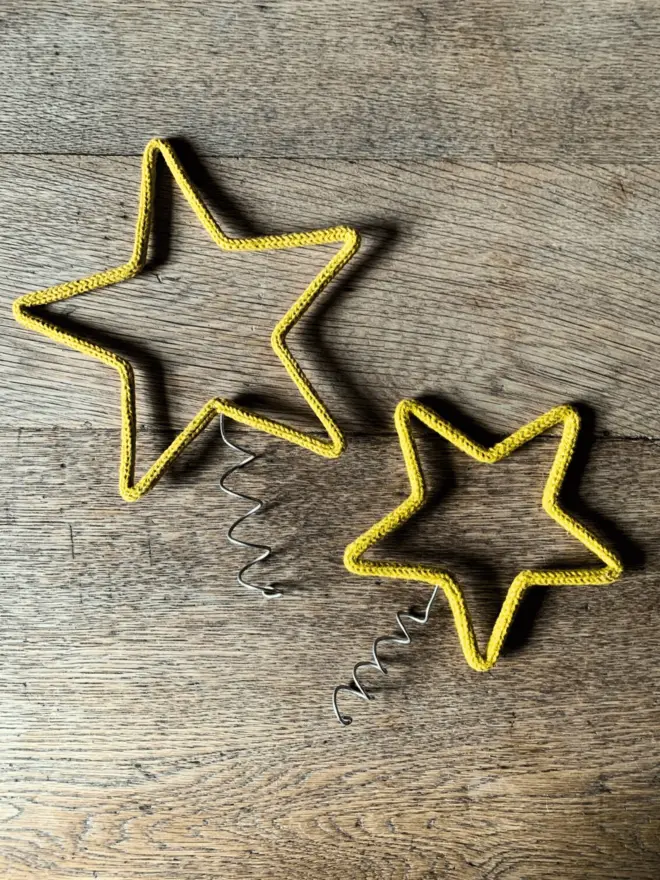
x=413, y=77
x=505, y=289
x=158, y=721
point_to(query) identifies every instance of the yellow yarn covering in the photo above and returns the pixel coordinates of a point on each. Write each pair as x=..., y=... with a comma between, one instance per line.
x=349, y=239
x=434, y=576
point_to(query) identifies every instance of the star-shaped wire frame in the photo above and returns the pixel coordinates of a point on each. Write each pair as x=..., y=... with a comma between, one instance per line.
x=435, y=576
x=349, y=239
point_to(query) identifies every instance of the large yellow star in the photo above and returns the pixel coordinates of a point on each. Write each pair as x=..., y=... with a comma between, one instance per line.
x=349, y=239
x=436, y=577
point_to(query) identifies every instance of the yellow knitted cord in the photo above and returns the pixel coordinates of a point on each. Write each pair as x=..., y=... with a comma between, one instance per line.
x=433, y=576
x=349, y=239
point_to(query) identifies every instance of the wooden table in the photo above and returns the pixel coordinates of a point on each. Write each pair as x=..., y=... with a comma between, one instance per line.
x=502, y=162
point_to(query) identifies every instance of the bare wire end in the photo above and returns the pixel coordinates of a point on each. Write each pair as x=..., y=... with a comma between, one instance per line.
x=268, y=592
x=358, y=689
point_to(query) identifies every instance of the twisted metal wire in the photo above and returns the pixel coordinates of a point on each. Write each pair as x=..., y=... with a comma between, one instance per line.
x=268, y=592
x=376, y=663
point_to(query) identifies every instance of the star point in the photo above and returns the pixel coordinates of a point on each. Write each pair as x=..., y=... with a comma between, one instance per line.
x=434, y=576
x=348, y=238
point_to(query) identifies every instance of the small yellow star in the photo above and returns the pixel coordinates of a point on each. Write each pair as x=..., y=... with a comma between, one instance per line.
x=349, y=239
x=436, y=577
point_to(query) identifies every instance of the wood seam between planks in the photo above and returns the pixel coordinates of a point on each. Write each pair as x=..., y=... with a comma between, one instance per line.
x=552, y=159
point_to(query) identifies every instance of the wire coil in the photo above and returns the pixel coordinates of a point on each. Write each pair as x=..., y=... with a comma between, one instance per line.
x=355, y=687
x=268, y=592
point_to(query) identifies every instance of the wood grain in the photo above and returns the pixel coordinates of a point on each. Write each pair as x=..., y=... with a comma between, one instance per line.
x=484, y=79
x=501, y=161
x=506, y=289
x=159, y=721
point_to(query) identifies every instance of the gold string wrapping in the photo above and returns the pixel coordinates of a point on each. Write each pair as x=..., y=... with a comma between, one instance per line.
x=434, y=576
x=130, y=490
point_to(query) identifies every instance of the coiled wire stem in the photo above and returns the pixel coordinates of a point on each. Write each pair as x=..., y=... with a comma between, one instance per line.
x=264, y=551
x=376, y=663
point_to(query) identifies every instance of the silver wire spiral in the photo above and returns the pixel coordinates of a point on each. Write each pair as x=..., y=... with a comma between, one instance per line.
x=376, y=663
x=264, y=551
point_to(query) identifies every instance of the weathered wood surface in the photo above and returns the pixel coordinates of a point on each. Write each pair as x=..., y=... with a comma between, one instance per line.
x=487, y=78
x=156, y=720
x=506, y=289
x=159, y=721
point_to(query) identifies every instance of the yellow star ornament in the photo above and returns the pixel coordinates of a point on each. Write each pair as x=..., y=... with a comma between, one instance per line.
x=130, y=490
x=436, y=577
